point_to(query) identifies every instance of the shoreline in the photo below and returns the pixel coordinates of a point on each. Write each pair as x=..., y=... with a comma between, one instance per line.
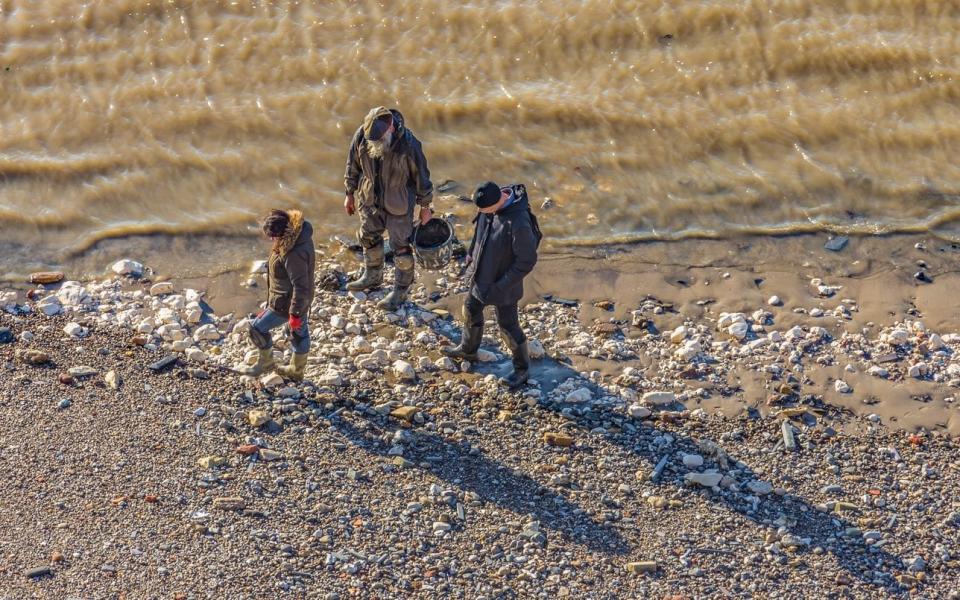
x=673, y=408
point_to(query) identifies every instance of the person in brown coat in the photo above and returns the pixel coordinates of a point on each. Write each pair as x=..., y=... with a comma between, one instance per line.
x=386, y=176
x=290, y=288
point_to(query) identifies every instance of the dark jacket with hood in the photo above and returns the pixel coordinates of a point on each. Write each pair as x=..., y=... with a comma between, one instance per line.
x=503, y=251
x=395, y=182
x=290, y=272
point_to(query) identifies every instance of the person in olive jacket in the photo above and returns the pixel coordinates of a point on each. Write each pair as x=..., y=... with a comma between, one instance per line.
x=502, y=253
x=290, y=285
x=386, y=176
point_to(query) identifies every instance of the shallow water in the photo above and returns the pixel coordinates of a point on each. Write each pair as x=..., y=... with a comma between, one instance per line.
x=639, y=120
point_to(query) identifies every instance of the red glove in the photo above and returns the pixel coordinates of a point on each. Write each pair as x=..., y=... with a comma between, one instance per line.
x=295, y=323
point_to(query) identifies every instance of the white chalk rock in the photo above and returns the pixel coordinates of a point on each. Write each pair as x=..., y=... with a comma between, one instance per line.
x=162, y=288
x=692, y=461
x=935, y=342
x=659, y=398
x=536, y=349
x=878, y=371
x=425, y=364
x=50, y=306
x=689, y=350
x=75, y=330
x=774, y=301
x=842, y=387
x=404, y=370
x=638, y=412
x=330, y=378
x=127, y=267
x=193, y=314
x=195, y=354
x=678, y=335
x=760, y=488
x=579, y=395
x=447, y=364
x=338, y=322
x=181, y=345
x=709, y=479
x=486, y=355
x=918, y=370
x=896, y=336
x=72, y=293
x=738, y=330
x=206, y=332
x=271, y=380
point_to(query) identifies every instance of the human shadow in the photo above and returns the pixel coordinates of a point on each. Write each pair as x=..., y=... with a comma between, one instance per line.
x=808, y=526
x=472, y=471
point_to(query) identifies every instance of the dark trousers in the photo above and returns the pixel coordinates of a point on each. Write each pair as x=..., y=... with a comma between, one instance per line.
x=508, y=318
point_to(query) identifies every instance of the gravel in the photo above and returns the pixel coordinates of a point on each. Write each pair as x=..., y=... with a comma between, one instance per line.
x=382, y=475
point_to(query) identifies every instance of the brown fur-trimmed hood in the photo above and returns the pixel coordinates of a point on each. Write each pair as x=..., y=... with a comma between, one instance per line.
x=286, y=242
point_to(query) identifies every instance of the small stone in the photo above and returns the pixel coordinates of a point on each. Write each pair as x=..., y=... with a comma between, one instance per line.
x=229, y=503
x=760, y=488
x=558, y=439
x=162, y=288
x=536, y=349
x=441, y=526
x=404, y=370
x=486, y=355
x=200, y=412
x=112, y=379
x=74, y=330
x=402, y=462
x=271, y=380
x=692, y=461
x=210, y=462
x=842, y=387
x=46, y=277
x=269, y=455
x=64, y=404
x=641, y=567
x=127, y=267
x=405, y=413
x=836, y=244
x=638, y=412
x=163, y=363
x=708, y=479
x=659, y=398
x=35, y=357
x=774, y=301
x=579, y=395
x=6, y=336
x=247, y=449
x=81, y=371
x=258, y=418
x=38, y=572
x=258, y=266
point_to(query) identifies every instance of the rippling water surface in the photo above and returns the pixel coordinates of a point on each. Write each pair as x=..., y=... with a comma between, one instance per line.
x=638, y=119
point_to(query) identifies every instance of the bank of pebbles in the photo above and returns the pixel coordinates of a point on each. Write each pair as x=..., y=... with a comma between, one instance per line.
x=137, y=463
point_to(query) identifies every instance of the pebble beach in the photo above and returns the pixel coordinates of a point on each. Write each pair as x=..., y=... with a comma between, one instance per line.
x=678, y=441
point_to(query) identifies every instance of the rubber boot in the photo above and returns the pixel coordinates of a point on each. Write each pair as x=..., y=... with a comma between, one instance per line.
x=264, y=364
x=403, y=279
x=294, y=371
x=469, y=344
x=372, y=276
x=521, y=363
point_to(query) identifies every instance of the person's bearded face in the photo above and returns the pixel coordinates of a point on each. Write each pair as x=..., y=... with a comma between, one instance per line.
x=382, y=146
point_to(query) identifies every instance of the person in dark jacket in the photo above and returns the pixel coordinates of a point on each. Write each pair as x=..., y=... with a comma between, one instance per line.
x=386, y=177
x=290, y=279
x=502, y=253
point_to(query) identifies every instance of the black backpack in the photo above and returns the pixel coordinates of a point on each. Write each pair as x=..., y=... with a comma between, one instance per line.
x=533, y=218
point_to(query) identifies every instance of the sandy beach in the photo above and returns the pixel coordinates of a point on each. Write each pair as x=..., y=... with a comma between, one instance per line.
x=688, y=435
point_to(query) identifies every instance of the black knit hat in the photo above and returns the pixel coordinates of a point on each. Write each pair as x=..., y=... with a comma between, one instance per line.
x=275, y=224
x=487, y=194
